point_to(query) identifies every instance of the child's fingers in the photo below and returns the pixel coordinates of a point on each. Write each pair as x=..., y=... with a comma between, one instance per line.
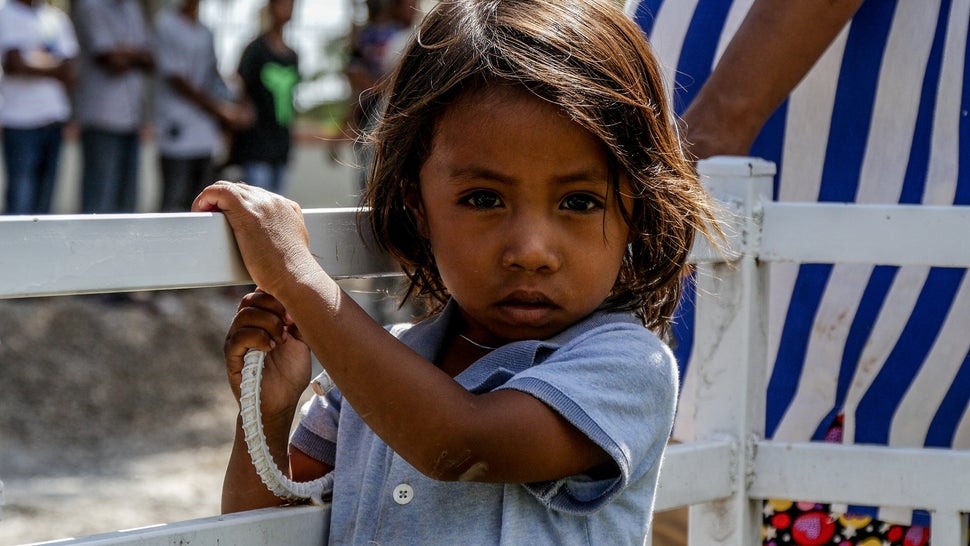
x=241, y=340
x=262, y=300
x=259, y=318
x=268, y=229
x=219, y=196
x=293, y=330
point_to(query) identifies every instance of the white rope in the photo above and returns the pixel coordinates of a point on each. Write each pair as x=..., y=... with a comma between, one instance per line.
x=252, y=424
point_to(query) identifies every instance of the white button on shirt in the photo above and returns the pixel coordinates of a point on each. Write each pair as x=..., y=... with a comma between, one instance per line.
x=403, y=493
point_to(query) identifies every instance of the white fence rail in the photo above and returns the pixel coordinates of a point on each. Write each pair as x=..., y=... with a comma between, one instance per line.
x=722, y=476
x=77, y=254
x=289, y=526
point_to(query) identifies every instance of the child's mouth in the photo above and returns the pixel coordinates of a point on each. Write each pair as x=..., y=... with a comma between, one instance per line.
x=526, y=298
x=527, y=307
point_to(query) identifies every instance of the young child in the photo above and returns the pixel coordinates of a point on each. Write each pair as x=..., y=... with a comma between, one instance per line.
x=529, y=179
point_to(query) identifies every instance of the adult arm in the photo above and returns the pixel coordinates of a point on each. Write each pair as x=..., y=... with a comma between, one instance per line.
x=63, y=70
x=172, y=67
x=774, y=48
x=123, y=59
x=211, y=105
x=195, y=95
x=106, y=51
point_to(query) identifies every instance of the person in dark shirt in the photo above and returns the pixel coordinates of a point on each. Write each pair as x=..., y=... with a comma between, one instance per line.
x=269, y=71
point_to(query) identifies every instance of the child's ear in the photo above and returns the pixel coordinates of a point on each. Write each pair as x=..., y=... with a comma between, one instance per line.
x=413, y=202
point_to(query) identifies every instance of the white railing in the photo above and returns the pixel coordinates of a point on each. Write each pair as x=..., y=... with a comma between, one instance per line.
x=731, y=357
x=722, y=475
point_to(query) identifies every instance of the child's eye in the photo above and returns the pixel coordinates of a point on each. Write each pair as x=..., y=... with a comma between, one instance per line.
x=581, y=202
x=483, y=200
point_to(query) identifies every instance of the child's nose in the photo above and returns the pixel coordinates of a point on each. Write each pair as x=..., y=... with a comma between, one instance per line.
x=531, y=246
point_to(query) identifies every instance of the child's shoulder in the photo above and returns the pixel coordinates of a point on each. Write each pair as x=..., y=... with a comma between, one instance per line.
x=618, y=342
x=604, y=325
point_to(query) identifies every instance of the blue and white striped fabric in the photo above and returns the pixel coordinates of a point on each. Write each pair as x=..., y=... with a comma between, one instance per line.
x=881, y=118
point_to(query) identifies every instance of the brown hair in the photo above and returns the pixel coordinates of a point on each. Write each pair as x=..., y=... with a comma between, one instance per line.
x=591, y=61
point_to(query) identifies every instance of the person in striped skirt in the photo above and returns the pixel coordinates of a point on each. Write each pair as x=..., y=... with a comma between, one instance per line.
x=858, y=102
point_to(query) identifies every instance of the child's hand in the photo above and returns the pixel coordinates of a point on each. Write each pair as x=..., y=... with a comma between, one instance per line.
x=262, y=323
x=269, y=230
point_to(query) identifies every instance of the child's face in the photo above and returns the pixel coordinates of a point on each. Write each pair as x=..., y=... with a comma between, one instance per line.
x=515, y=199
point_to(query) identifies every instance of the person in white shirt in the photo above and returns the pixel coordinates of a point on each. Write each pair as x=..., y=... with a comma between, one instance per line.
x=37, y=51
x=192, y=105
x=116, y=58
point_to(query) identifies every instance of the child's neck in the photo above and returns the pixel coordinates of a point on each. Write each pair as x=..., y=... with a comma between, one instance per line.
x=458, y=354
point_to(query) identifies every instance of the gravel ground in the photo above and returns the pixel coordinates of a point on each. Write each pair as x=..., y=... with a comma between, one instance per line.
x=113, y=414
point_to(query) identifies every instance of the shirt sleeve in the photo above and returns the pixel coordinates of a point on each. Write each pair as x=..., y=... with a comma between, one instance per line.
x=89, y=25
x=9, y=36
x=316, y=434
x=67, y=45
x=616, y=384
x=248, y=70
x=168, y=61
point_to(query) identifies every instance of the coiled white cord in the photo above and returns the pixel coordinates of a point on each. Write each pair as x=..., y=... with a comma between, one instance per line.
x=252, y=424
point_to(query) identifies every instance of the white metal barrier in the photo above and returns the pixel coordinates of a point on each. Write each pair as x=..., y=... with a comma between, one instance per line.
x=722, y=476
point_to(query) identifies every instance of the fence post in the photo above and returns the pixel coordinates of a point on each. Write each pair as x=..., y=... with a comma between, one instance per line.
x=730, y=345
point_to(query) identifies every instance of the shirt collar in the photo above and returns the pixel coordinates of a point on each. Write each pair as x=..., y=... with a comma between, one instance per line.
x=496, y=367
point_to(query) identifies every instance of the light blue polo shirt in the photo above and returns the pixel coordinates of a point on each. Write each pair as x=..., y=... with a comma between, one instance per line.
x=610, y=377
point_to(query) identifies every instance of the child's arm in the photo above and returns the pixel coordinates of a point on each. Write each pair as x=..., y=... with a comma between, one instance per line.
x=242, y=489
x=431, y=421
x=260, y=323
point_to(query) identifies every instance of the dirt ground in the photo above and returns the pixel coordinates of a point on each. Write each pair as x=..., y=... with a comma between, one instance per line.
x=113, y=414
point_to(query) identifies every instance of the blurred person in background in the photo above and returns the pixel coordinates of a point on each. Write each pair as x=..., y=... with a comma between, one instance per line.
x=856, y=102
x=193, y=105
x=269, y=73
x=37, y=51
x=116, y=59
x=374, y=51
